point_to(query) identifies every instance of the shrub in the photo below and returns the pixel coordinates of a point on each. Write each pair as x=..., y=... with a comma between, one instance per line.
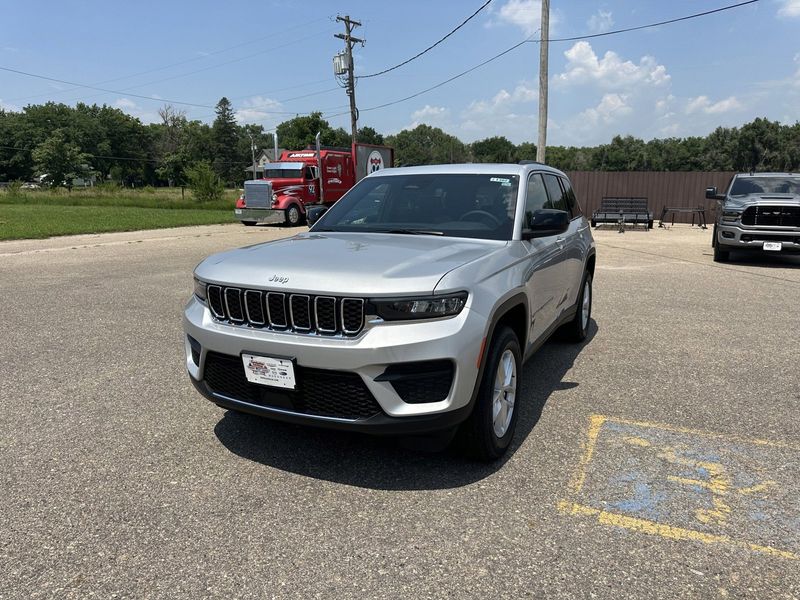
x=14, y=188
x=204, y=183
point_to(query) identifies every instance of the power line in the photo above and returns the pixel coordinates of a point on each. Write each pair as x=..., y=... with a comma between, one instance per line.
x=570, y=39
x=183, y=62
x=649, y=25
x=429, y=48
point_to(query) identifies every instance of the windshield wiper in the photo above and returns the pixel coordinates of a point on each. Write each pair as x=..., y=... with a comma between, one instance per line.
x=411, y=231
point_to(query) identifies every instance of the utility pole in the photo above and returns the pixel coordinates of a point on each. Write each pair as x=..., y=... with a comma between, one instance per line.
x=541, y=146
x=253, y=152
x=349, y=42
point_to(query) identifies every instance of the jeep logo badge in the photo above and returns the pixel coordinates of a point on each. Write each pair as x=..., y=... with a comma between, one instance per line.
x=279, y=279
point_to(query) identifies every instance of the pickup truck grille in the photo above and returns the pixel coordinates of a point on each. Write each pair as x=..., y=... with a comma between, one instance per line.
x=772, y=216
x=302, y=313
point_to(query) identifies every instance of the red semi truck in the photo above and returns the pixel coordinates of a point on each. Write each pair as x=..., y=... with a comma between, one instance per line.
x=300, y=178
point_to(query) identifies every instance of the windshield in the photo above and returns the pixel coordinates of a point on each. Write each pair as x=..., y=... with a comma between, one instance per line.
x=474, y=206
x=283, y=173
x=766, y=185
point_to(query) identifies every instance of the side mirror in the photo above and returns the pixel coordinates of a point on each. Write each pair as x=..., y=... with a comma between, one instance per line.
x=711, y=194
x=545, y=222
x=313, y=214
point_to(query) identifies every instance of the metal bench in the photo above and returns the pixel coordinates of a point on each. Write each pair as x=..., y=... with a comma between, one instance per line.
x=699, y=213
x=621, y=211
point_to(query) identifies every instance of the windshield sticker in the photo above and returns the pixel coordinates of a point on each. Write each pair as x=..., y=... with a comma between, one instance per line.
x=501, y=180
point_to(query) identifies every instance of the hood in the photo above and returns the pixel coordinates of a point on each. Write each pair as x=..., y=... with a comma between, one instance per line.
x=762, y=199
x=346, y=264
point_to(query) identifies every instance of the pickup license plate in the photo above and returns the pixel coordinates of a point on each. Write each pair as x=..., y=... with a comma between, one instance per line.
x=265, y=370
x=237, y=211
x=773, y=246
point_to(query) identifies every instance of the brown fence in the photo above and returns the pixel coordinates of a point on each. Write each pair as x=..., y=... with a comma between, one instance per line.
x=672, y=189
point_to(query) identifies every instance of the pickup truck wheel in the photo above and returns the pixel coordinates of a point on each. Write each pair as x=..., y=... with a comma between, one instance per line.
x=721, y=255
x=293, y=216
x=487, y=433
x=248, y=223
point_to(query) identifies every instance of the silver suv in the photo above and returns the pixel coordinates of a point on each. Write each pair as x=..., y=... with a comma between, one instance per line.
x=760, y=211
x=408, y=308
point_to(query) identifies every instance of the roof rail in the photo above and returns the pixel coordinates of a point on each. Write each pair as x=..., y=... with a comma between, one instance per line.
x=530, y=162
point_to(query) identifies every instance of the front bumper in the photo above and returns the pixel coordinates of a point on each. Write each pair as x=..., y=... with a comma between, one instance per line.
x=737, y=237
x=260, y=215
x=368, y=355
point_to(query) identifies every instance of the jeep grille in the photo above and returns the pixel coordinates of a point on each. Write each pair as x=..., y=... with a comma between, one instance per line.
x=302, y=313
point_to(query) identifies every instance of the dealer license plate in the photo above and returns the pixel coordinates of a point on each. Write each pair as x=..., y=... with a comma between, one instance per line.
x=264, y=370
x=774, y=246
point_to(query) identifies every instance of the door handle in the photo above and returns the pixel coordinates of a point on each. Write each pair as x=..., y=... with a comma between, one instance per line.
x=560, y=241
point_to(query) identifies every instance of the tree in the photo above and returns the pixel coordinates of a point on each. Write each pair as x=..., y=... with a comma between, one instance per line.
x=300, y=132
x=60, y=161
x=224, y=134
x=426, y=145
x=367, y=135
x=496, y=149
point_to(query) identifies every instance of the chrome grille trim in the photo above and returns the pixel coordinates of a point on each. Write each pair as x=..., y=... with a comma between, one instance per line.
x=308, y=311
x=216, y=290
x=272, y=321
x=286, y=312
x=320, y=328
x=228, y=306
x=247, y=307
x=360, y=301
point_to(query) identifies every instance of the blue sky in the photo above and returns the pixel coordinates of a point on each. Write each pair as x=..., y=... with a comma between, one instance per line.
x=676, y=80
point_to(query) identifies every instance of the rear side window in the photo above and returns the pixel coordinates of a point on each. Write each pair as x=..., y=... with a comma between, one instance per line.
x=556, y=194
x=572, y=201
x=536, y=196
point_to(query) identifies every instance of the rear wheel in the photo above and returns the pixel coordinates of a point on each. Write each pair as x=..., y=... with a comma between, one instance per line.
x=487, y=433
x=293, y=216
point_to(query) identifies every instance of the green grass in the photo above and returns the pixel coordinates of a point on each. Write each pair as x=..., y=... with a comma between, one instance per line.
x=34, y=220
x=111, y=196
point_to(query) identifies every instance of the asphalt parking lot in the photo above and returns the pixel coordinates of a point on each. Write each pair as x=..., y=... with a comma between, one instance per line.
x=658, y=460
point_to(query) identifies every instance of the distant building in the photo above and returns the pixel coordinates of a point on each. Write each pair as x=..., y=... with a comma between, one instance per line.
x=265, y=157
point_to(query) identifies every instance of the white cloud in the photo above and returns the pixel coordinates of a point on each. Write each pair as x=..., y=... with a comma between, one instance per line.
x=429, y=115
x=511, y=114
x=610, y=109
x=600, y=21
x=703, y=104
x=789, y=8
x=125, y=104
x=259, y=109
x=130, y=107
x=525, y=14
x=584, y=67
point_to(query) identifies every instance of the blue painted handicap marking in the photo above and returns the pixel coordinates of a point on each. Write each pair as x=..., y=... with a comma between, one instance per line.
x=687, y=484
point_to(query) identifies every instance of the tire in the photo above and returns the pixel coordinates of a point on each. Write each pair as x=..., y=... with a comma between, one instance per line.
x=483, y=435
x=248, y=223
x=293, y=215
x=721, y=255
x=577, y=329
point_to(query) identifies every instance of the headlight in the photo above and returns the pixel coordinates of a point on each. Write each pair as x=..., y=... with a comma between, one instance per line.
x=200, y=289
x=430, y=307
x=731, y=215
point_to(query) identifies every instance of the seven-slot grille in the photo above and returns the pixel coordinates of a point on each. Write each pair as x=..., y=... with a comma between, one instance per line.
x=772, y=216
x=302, y=313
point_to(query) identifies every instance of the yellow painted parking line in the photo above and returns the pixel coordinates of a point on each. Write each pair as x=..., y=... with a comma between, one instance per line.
x=665, y=531
x=712, y=478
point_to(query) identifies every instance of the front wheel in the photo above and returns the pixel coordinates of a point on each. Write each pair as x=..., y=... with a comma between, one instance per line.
x=293, y=216
x=487, y=433
x=578, y=328
x=721, y=255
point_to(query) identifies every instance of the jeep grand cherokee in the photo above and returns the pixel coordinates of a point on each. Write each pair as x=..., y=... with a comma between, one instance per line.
x=409, y=307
